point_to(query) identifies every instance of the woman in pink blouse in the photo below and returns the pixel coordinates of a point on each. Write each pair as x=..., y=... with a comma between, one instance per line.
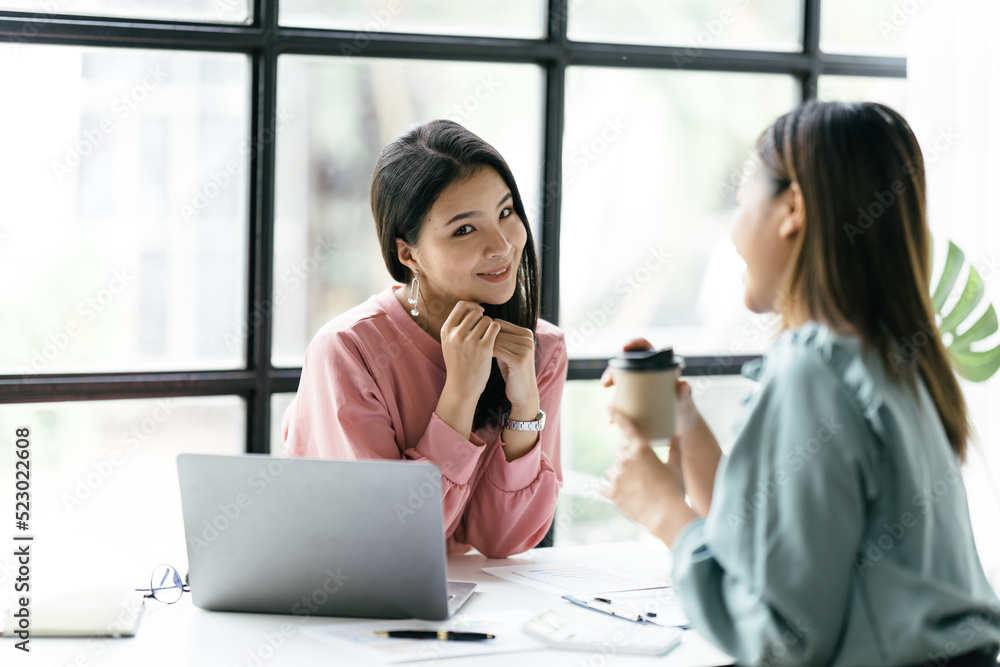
x=455, y=368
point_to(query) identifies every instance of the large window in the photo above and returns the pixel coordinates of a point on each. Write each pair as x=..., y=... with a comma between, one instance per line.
x=184, y=195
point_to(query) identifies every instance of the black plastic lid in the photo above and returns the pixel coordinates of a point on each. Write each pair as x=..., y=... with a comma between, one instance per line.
x=645, y=360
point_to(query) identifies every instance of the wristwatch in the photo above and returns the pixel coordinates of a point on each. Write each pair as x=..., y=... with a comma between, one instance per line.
x=514, y=425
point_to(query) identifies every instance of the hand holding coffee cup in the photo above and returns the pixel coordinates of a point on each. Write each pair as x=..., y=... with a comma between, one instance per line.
x=646, y=390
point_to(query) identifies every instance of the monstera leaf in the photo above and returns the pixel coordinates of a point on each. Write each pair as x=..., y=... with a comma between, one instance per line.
x=975, y=366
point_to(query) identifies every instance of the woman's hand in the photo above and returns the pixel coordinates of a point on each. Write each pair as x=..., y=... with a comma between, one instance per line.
x=514, y=349
x=467, y=340
x=701, y=450
x=646, y=489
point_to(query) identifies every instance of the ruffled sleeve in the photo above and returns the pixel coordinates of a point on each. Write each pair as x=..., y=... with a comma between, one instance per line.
x=845, y=357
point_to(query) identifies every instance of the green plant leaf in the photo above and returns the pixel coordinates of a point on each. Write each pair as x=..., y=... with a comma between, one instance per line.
x=975, y=366
x=952, y=265
x=971, y=296
x=985, y=326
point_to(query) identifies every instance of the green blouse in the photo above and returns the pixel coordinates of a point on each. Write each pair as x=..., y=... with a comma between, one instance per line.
x=839, y=531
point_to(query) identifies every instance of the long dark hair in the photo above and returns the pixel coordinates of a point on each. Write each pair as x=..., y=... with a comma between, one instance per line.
x=410, y=174
x=863, y=255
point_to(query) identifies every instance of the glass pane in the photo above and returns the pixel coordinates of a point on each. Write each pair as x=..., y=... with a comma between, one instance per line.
x=697, y=24
x=279, y=403
x=214, y=11
x=589, y=442
x=104, y=492
x=492, y=18
x=651, y=162
x=340, y=114
x=871, y=27
x=891, y=92
x=124, y=195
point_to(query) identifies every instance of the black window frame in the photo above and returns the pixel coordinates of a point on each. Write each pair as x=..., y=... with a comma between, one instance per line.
x=263, y=40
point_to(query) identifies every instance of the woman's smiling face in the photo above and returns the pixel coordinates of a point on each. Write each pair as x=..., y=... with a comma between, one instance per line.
x=763, y=230
x=469, y=247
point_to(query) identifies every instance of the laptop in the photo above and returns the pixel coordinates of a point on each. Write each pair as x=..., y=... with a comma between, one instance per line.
x=316, y=537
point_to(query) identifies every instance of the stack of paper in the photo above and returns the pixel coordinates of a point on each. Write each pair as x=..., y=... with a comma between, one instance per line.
x=594, y=577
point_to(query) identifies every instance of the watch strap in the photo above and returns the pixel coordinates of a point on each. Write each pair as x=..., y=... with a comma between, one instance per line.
x=515, y=425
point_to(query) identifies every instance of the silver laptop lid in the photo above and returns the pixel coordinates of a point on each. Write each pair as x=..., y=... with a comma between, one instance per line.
x=314, y=537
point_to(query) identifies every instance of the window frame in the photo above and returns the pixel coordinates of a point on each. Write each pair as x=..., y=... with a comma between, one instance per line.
x=263, y=41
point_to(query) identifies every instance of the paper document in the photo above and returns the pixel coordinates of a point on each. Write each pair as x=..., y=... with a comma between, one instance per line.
x=582, y=579
x=359, y=638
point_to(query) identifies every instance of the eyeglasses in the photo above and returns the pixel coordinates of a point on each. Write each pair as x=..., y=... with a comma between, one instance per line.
x=165, y=585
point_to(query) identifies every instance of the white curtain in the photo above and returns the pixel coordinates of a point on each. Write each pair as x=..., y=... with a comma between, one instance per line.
x=953, y=104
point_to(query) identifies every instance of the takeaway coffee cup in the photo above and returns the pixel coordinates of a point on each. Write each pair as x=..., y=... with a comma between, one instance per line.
x=645, y=389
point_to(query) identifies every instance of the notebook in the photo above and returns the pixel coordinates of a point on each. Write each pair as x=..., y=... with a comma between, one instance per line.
x=105, y=612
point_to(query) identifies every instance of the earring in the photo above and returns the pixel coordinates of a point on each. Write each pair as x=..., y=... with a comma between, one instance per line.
x=414, y=293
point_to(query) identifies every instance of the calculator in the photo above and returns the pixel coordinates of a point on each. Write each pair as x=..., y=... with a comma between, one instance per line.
x=607, y=636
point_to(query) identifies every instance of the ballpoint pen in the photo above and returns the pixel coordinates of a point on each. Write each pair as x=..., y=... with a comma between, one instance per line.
x=606, y=606
x=440, y=635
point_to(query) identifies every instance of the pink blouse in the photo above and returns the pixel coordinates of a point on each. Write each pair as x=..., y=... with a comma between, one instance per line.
x=370, y=384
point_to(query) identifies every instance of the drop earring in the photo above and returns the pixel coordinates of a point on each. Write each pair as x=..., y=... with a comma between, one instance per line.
x=414, y=293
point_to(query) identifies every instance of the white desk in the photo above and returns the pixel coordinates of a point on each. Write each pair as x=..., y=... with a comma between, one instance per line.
x=182, y=634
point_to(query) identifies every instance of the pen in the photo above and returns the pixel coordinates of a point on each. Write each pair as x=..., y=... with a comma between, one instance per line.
x=605, y=606
x=648, y=615
x=440, y=635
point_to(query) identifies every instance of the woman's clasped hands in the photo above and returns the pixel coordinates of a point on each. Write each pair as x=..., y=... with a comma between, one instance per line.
x=469, y=342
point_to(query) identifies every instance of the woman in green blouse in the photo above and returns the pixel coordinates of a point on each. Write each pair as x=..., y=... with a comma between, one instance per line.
x=836, y=531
